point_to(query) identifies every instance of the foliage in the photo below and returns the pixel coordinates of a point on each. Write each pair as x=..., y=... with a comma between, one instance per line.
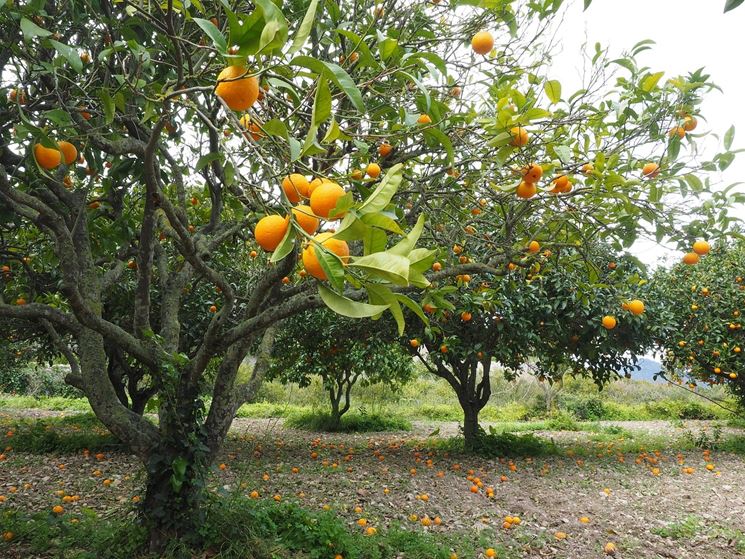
x=62, y=435
x=703, y=306
x=350, y=423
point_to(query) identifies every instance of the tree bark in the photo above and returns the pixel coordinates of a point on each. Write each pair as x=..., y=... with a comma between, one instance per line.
x=471, y=427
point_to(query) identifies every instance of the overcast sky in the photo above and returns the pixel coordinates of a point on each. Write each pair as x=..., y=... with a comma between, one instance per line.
x=689, y=34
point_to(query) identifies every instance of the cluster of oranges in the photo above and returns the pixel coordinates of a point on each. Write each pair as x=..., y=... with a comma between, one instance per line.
x=51, y=158
x=635, y=307
x=699, y=249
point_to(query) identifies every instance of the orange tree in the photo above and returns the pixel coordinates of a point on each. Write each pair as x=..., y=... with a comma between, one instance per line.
x=155, y=166
x=341, y=352
x=545, y=320
x=155, y=151
x=703, y=305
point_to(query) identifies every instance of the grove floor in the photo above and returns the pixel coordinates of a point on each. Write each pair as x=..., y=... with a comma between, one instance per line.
x=648, y=503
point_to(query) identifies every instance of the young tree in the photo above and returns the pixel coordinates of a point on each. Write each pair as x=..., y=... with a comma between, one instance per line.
x=702, y=304
x=341, y=352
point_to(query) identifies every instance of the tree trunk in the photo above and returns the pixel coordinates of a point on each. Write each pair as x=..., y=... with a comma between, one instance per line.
x=471, y=426
x=335, y=423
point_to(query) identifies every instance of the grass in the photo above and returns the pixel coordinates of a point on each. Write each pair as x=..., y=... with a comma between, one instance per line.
x=684, y=529
x=233, y=525
x=54, y=403
x=57, y=435
x=351, y=422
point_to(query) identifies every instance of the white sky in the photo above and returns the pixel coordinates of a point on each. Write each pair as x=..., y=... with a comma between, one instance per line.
x=689, y=34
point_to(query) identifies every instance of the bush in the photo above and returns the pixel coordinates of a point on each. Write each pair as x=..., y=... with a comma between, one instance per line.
x=38, y=381
x=352, y=422
x=585, y=408
x=496, y=443
x=62, y=435
x=562, y=421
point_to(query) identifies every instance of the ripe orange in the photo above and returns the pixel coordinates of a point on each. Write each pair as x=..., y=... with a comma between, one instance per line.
x=315, y=183
x=520, y=136
x=310, y=256
x=305, y=219
x=373, y=170
x=47, y=158
x=295, y=186
x=69, y=152
x=213, y=309
x=701, y=248
x=650, y=170
x=385, y=149
x=239, y=93
x=436, y=267
x=526, y=190
x=609, y=322
x=8, y=536
x=689, y=123
x=532, y=173
x=270, y=230
x=691, y=258
x=20, y=301
x=482, y=42
x=324, y=199
x=610, y=548
x=414, y=343
x=560, y=536
x=424, y=119
x=636, y=307
x=58, y=509
x=533, y=247
x=490, y=553
x=466, y=316
x=677, y=131
x=561, y=184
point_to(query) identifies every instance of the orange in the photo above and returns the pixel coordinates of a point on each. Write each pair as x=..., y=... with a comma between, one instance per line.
x=456, y=91
x=701, y=248
x=533, y=247
x=526, y=190
x=588, y=168
x=466, y=316
x=561, y=183
x=482, y=42
x=310, y=255
x=385, y=149
x=560, y=535
x=414, y=343
x=270, y=231
x=357, y=175
x=305, y=219
x=677, y=131
x=324, y=199
x=295, y=186
x=424, y=119
x=373, y=170
x=8, y=536
x=47, y=158
x=58, y=509
x=636, y=307
x=69, y=152
x=315, y=183
x=691, y=258
x=689, y=123
x=650, y=170
x=254, y=130
x=520, y=136
x=437, y=266
x=532, y=173
x=609, y=322
x=610, y=548
x=490, y=553
x=239, y=93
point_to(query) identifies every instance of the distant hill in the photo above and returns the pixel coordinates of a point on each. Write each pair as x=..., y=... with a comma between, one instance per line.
x=649, y=368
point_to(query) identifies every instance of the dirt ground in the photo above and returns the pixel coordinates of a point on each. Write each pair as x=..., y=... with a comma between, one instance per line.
x=649, y=505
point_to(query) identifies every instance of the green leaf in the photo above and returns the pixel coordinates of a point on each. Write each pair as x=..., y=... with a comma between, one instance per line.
x=331, y=264
x=322, y=102
x=587, y=4
x=31, y=30
x=414, y=307
x=285, y=247
x=732, y=4
x=70, y=54
x=108, y=105
x=381, y=293
x=276, y=127
x=382, y=195
x=383, y=222
x=351, y=228
x=443, y=140
x=651, y=81
x=384, y=265
x=213, y=33
x=334, y=133
x=305, y=27
x=438, y=62
x=347, y=307
x=729, y=136
x=335, y=73
x=374, y=240
x=407, y=244
x=553, y=90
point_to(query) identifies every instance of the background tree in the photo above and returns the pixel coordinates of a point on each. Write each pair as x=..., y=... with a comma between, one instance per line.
x=537, y=320
x=703, y=306
x=342, y=353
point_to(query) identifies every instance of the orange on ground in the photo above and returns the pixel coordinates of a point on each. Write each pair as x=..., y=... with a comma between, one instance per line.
x=270, y=231
x=240, y=92
x=69, y=152
x=47, y=158
x=482, y=42
x=520, y=136
x=310, y=254
x=295, y=186
x=324, y=199
x=305, y=219
x=526, y=190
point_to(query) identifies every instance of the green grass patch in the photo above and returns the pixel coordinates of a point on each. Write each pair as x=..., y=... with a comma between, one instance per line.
x=684, y=529
x=267, y=410
x=63, y=435
x=352, y=422
x=235, y=527
x=55, y=403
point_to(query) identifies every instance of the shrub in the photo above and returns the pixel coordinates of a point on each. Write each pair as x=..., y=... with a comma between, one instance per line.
x=59, y=435
x=562, y=421
x=353, y=422
x=586, y=408
x=496, y=443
